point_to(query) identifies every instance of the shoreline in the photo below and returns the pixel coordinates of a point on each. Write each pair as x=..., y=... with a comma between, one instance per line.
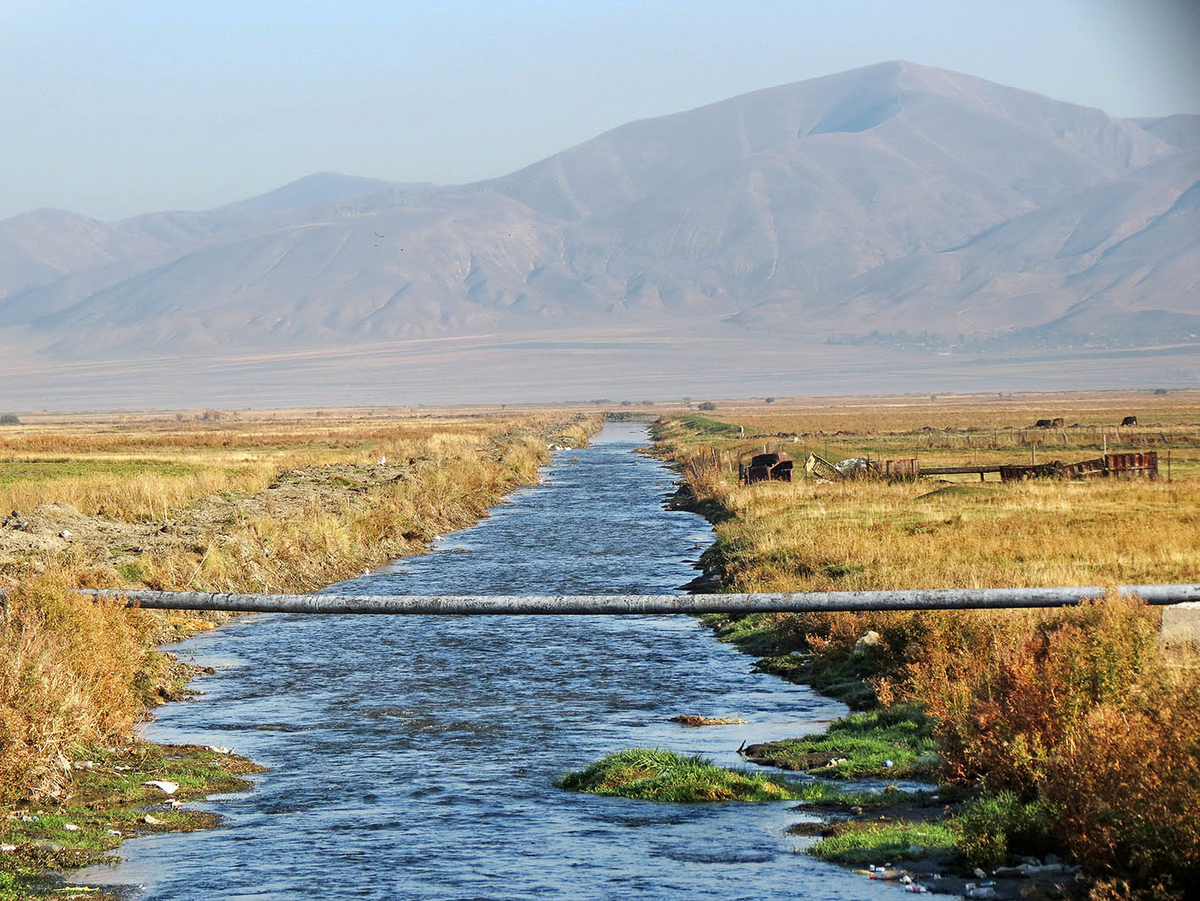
x=900, y=860
x=1011, y=830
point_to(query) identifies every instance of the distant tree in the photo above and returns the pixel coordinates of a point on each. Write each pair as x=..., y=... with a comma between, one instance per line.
x=708, y=405
x=626, y=403
x=647, y=403
x=10, y=419
x=769, y=400
x=1160, y=390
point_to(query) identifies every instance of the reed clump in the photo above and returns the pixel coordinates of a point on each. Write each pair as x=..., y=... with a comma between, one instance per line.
x=69, y=677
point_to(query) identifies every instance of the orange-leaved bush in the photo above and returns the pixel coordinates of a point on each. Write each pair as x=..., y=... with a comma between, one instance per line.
x=67, y=676
x=1081, y=714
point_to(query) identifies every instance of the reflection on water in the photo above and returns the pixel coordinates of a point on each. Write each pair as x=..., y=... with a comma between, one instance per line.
x=413, y=757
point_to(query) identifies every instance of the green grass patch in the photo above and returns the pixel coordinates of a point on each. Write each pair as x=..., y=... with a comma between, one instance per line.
x=107, y=803
x=752, y=633
x=117, y=779
x=821, y=793
x=649, y=774
x=131, y=572
x=709, y=427
x=860, y=745
x=866, y=843
x=846, y=680
x=13, y=471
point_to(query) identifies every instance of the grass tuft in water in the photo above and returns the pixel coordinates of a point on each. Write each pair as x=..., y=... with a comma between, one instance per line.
x=863, y=843
x=893, y=742
x=651, y=774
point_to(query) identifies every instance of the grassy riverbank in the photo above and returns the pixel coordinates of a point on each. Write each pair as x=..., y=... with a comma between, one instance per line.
x=220, y=503
x=1073, y=730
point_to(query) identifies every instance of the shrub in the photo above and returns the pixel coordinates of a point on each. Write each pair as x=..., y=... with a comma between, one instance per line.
x=707, y=405
x=1005, y=709
x=1081, y=719
x=68, y=678
x=1126, y=791
x=10, y=419
x=994, y=826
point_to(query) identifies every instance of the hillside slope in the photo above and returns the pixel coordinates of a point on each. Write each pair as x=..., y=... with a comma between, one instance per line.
x=867, y=206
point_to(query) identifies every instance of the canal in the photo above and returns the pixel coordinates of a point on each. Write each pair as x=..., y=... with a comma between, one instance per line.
x=414, y=757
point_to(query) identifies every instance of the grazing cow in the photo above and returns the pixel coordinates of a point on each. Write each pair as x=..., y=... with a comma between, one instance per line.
x=1056, y=422
x=1044, y=424
x=1129, y=420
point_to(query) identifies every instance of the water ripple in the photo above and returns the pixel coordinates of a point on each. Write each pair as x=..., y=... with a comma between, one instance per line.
x=413, y=757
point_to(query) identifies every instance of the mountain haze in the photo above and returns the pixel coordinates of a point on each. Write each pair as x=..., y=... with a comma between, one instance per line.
x=864, y=207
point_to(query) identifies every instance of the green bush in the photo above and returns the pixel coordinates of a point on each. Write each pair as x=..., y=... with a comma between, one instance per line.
x=994, y=826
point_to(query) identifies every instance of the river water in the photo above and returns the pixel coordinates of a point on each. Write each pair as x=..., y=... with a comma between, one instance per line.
x=414, y=757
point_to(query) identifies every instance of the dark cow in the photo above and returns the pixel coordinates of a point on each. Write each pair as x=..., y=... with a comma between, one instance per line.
x=1129, y=420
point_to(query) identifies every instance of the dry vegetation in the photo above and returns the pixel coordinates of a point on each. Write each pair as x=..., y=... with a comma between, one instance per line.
x=215, y=504
x=1079, y=721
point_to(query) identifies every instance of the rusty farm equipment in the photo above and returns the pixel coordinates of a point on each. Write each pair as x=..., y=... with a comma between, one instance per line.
x=1141, y=464
x=769, y=467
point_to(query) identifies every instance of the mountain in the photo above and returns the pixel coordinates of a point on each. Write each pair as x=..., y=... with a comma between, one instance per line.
x=863, y=207
x=1116, y=263
x=1182, y=130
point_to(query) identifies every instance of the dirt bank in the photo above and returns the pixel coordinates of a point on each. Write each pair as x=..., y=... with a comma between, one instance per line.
x=55, y=530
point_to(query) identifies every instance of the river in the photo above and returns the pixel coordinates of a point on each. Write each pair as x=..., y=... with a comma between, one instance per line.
x=414, y=757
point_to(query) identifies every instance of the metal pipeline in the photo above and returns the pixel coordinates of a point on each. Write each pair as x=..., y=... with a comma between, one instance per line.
x=560, y=605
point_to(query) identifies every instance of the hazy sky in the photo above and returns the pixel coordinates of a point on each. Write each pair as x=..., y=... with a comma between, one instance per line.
x=118, y=108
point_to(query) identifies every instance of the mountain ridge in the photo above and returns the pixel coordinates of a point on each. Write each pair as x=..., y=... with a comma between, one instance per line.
x=887, y=200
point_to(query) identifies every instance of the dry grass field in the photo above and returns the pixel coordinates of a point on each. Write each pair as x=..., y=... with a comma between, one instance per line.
x=1074, y=730
x=252, y=503
x=952, y=531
